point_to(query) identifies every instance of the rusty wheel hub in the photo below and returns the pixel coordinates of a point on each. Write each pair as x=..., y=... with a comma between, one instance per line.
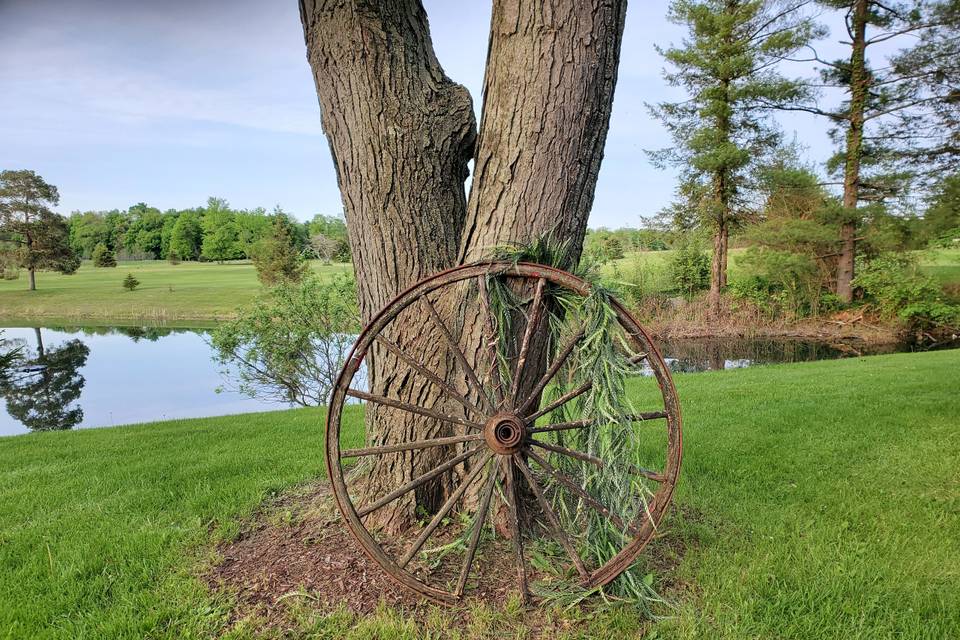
x=504, y=433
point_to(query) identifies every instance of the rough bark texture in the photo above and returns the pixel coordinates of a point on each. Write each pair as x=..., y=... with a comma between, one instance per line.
x=859, y=85
x=401, y=134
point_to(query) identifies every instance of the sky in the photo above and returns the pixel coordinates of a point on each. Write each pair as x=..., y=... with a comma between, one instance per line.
x=123, y=101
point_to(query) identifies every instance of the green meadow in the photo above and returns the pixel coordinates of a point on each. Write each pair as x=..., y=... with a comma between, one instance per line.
x=167, y=292
x=817, y=500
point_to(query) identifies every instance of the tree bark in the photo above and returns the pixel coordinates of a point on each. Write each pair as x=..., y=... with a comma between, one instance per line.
x=718, y=267
x=859, y=86
x=401, y=134
x=33, y=278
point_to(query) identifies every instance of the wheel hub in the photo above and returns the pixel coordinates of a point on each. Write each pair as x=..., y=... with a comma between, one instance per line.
x=504, y=433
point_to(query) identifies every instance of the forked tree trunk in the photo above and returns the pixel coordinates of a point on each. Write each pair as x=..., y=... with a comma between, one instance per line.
x=401, y=134
x=859, y=85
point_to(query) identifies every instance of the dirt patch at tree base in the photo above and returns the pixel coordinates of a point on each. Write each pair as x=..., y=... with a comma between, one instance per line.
x=297, y=550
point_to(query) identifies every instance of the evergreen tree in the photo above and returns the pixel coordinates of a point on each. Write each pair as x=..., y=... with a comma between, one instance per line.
x=879, y=122
x=130, y=282
x=33, y=236
x=41, y=388
x=276, y=257
x=103, y=257
x=723, y=131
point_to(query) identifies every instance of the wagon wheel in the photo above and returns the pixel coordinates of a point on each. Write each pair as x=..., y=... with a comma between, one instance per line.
x=530, y=476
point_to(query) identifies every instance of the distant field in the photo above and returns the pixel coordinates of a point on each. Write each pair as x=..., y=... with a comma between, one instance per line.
x=205, y=292
x=652, y=267
x=187, y=291
x=816, y=500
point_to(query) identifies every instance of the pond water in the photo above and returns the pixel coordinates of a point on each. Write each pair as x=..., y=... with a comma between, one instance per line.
x=105, y=376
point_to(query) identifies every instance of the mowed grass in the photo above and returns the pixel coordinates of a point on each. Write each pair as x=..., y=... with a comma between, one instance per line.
x=185, y=291
x=817, y=500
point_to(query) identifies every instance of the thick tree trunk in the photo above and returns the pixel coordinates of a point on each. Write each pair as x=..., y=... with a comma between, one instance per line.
x=859, y=86
x=401, y=134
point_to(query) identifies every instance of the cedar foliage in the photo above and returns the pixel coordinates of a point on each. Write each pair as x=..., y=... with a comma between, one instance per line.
x=276, y=257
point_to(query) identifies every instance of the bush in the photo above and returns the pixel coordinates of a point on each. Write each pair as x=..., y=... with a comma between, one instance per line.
x=102, y=256
x=276, y=257
x=689, y=268
x=782, y=281
x=130, y=283
x=894, y=283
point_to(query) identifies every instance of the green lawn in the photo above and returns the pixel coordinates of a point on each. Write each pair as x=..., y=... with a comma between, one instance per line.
x=820, y=500
x=186, y=291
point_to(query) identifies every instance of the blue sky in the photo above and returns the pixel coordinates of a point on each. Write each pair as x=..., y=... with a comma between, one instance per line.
x=117, y=102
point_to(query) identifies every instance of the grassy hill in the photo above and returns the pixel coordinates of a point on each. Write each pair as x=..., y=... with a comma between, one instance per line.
x=817, y=500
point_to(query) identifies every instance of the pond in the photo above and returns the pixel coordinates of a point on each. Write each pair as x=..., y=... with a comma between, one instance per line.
x=104, y=376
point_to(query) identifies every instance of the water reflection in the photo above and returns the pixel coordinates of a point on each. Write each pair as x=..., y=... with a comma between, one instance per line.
x=126, y=375
x=69, y=377
x=42, y=385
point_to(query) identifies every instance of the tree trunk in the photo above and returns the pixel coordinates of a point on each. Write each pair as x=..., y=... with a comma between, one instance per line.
x=859, y=86
x=401, y=134
x=718, y=268
x=33, y=278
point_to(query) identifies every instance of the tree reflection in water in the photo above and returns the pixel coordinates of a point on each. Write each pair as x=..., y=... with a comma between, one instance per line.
x=40, y=387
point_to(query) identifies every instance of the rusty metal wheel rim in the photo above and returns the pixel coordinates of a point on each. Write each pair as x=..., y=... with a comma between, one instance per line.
x=499, y=449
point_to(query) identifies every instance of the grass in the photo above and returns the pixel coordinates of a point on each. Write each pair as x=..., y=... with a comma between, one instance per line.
x=205, y=291
x=818, y=500
x=186, y=291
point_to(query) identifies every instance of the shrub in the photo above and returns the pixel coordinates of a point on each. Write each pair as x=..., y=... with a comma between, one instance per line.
x=893, y=282
x=102, y=256
x=130, y=283
x=781, y=280
x=689, y=268
x=290, y=344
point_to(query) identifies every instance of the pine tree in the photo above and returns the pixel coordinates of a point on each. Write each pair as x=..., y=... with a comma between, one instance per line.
x=130, y=282
x=276, y=257
x=723, y=131
x=879, y=123
x=31, y=234
x=102, y=256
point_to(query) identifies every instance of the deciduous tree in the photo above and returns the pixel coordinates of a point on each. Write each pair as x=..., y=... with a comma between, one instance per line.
x=402, y=134
x=35, y=236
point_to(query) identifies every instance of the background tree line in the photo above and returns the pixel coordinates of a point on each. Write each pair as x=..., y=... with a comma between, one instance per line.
x=214, y=232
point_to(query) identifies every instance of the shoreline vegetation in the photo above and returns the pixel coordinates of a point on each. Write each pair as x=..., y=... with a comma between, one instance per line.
x=201, y=294
x=129, y=551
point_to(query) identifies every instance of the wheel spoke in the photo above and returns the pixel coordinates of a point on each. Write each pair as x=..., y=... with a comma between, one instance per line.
x=572, y=486
x=495, y=380
x=408, y=446
x=580, y=424
x=478, y=521
x=442, y=513
x=646, y=473
x=562, y=400
x=533, y=319
x=458, y=354
x=555, y=527
x=552, y=371
x=412, y=408
x=429, y=375
x=514, y=523
x=419, y=480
